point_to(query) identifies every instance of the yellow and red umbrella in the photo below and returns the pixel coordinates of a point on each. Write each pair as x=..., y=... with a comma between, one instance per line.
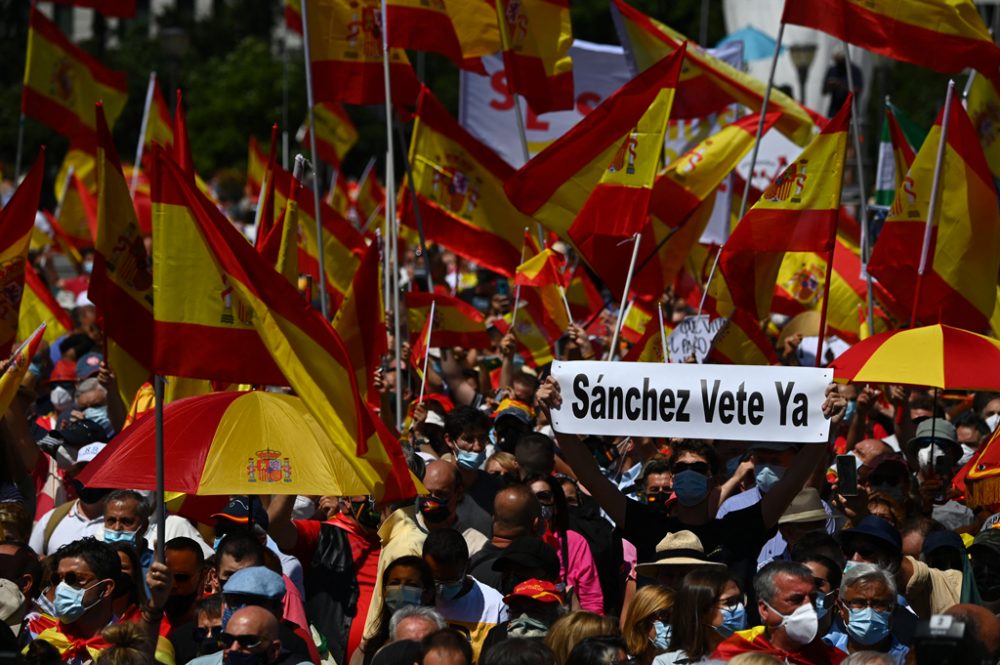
x=230, y=443
x=936, y=356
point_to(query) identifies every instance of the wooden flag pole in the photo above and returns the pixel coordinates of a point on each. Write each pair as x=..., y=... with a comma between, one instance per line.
x=932, y=208
x=143, y=126
x=317, y=202
x=628, y=285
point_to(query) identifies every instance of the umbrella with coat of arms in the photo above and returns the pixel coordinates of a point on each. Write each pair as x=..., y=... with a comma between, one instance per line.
x=229, y=443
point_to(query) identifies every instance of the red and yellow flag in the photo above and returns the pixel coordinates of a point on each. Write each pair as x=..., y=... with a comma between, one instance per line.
x=944, y=35
x=797, y=213
x=62, y=82
x=983, y=106
x=456, y=323
x=534, y=343
x=708, y=85
x=542, y=269
x=159, y=125
x=293, y=15
x=39, y=306
x=536, y=37
x=17, y=367
x=360, y=322
x=115, y=8
x=335, y=133
x=256, y=168
x=461, y=30
x=582, y=295
x=459, y=185
x=77, y=213
x=17, y=220
x=649, y=348
x=554, y=185
x=370, y=200
x=542, y=289
x=311, y=354
x=741, y=342
x=959, y=285
x=345, y=55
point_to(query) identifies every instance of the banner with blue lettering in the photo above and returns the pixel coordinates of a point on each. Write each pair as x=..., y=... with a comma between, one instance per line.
x=746, y=403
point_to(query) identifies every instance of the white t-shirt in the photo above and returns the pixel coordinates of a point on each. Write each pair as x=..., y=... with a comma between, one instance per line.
x=474, y=613
x=74, y=526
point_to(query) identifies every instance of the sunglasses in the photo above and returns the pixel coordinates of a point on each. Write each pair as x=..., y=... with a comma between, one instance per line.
x=72, y=579
x=182, y=577
x=697, y=467
x=202, y=634
x=245, y=641
x=545, y=496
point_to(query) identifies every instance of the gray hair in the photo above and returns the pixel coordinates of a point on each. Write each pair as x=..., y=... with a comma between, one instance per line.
x=763, y=584
x=142, y=506
x=87, y=385
x=869, y=572
x=415, y=611
x=869, y=658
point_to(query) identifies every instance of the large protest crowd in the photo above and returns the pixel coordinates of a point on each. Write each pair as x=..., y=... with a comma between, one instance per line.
x=528, y=547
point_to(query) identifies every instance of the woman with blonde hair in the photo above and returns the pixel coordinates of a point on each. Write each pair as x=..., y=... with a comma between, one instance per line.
x=127, y=646
x=647, y=624
x=575, y=627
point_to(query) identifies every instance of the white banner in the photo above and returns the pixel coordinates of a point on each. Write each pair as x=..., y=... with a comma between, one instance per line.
x=692, y=401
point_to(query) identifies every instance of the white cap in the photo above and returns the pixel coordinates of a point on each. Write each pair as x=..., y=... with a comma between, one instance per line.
x=83, y=301
x=89, y=452
x=434, y=419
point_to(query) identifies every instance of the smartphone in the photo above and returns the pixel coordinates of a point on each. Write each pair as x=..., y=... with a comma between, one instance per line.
x=847, y=475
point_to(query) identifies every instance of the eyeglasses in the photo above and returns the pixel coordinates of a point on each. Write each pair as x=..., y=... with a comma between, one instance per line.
x=697, y=467
x=245, y=641
x=877, y=604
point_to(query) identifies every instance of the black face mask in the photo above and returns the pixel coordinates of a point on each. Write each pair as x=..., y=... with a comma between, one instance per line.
x=240, y=658
x=433, y=509
x=365, y=513
x=179, y=605
x=658, y=501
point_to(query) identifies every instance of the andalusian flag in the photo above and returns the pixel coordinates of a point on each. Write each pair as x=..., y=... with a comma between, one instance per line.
x=708, y=85
x=895, y=153
x=983, y=106
x=944, y=35
x=17, y=367
x=797, y=213
x=62, y=82
x=345, y=55
x=959, y=285
x=39, y=306
x=459, y=184
x=742, y=342
x=360, y=322
x=311, y=354
x=335, y=133
x=603, y=147
x=17, y=220
x=461, y=30
x=121, y=284
x=456, y=323
x=536, y=38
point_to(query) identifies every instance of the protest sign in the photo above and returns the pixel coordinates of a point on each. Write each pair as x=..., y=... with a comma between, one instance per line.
x=693, y=336
x=756, y=403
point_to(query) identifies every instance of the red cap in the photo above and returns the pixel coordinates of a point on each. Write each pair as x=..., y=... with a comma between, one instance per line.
x=540, y=590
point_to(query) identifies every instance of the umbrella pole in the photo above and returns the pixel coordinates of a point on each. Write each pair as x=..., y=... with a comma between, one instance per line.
x=161, y=505
x=826, y=301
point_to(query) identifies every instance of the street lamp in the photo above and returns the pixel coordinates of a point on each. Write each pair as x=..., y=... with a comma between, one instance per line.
x=802, y=58
x=174, y=44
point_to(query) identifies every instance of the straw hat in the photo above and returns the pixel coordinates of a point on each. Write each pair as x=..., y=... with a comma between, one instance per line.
x=681, y=548
x=805, y=507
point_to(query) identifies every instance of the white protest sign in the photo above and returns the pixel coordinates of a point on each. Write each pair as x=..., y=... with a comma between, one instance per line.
x=693, y=336
x=757, y=403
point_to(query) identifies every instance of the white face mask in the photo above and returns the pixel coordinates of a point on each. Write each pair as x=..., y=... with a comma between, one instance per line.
x=967, y=453
x=801, y=625
x=924, y=458
x=993, y=421
x=61, y=398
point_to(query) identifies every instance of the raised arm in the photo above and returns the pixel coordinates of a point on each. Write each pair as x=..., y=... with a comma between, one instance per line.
x=280, y=526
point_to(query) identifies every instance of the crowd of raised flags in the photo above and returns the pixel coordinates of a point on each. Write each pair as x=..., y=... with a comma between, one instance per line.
x=412, y=331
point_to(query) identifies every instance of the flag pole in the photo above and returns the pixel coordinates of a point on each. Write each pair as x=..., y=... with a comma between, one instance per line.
x=826, y=299
x=569, y=312
x=866, y=249
x=417, y=215
x=932, y=208
x=317, y=202
x=65, y=190
x=427, y=354
x=20, y=147
x=161, y=506
x=517, y=288
x=284, y=94
x=628, y=285
x=753, y=156
x=142, y=134
x=663, y=333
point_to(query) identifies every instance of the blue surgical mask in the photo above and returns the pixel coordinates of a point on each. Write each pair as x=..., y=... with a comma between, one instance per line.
x=821, y=608
x=733, y=619
x=662, y=639
x=525, y=626
x=868, y=627
x=690, y=487
x=111, y=536
x=850, y=564
x=449, y=590
x=401, y=595
x=68, y=602
x=548, y=512
x=99, y=414
x=469, y=460
x=849, y=411
x=215, y=545
x=767, y=475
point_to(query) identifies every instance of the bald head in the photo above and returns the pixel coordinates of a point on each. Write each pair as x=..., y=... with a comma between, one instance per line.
x=869, y=449
x=441, y=475
x=985, y=625
x=253, y=620
x=516, y=512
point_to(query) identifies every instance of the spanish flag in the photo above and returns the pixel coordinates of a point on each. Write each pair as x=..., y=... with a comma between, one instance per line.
x=459, y=185
x=256, y=168
x=77, y=213
x=17, y=367
x=370, y=201
x=62, y=82
x=311, y=354
x=983, y=106
x=456, y=323
x=360, y=322
x=17, y=220
x=345, y=55
x=582, y=295
x=556, y=183
x=742, y=342
x=338, y=197
x=293, y=15
x=638, y=315
x=542, y=269
x=797, y=213
x=944, y=35
x=121, y=284
x=461, y=30
x=159, y=125
x=39, y=306
x=541, y=285
x=335, y=133
x=649, y=348
x=959, y=285
x=536, y=38
x=533, y=344
x=708, y=85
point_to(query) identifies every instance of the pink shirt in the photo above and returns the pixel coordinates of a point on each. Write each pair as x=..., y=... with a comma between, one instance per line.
x=580, y=572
